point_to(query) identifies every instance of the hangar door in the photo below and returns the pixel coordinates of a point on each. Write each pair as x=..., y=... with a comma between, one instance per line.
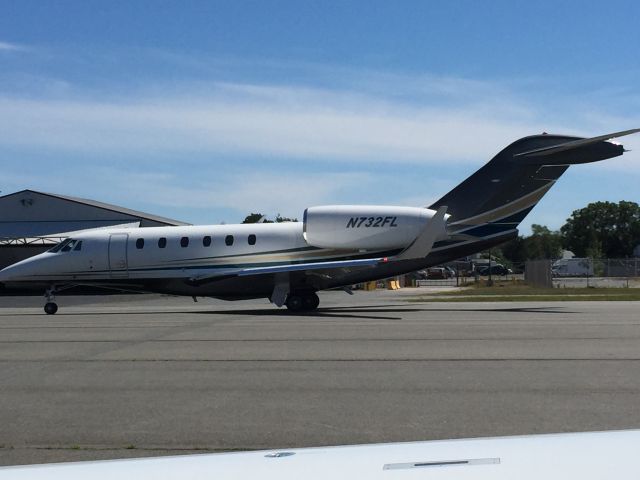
x=118, y=255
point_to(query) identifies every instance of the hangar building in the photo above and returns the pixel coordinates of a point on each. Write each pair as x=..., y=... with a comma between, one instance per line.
x=30, y=221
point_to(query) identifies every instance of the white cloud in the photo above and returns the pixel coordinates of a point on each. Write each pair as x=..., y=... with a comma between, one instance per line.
x=274, y=121
x=385, y=122
x=364, y=116
x=238, y=194
x=11, y=47
x=269, y=192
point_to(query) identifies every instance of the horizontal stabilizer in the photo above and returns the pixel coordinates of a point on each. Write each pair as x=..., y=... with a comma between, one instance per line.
x=561, y=147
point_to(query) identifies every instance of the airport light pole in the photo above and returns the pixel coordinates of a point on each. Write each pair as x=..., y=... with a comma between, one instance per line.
x=489, y=281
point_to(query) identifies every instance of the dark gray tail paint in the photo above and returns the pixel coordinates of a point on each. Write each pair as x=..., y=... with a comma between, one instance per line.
x=499, y=196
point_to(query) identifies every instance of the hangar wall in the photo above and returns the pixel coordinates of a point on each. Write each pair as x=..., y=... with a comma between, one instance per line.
x=28, y=217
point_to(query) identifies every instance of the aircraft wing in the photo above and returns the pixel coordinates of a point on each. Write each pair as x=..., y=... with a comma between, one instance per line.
x=294, y=267
x=584, y=456
x=312, y=266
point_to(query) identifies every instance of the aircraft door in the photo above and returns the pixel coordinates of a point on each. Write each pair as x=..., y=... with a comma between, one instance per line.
x=118, y=255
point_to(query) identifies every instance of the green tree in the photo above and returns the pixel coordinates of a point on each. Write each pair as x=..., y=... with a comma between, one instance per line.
x=281, y=219
x=515, y=250
x=542, y=243
x=255, y=218
x=252, y=218
x=603, y=229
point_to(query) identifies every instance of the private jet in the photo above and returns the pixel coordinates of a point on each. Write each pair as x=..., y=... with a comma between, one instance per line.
x=333, y=247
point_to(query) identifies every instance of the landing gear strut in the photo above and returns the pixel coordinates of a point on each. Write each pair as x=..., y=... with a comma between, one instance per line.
x=51, y=307
x=302, y=302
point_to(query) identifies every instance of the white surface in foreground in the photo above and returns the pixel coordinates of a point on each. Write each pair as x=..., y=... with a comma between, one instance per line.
x=586, y=456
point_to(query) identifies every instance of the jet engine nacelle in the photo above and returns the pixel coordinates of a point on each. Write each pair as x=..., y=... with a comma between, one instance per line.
x=368, y=227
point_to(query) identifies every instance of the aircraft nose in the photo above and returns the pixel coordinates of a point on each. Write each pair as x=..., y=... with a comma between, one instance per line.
x=16, y=272
x=5, y=274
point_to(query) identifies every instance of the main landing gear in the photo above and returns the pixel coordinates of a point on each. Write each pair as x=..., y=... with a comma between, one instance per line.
x=51, y=307
x=302, y=302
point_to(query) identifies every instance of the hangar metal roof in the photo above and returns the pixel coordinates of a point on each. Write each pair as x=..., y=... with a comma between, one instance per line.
x=103, y=206
x=54, y=238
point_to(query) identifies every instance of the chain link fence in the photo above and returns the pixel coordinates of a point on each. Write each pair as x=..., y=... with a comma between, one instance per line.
x=616, y=267
x=569, y=273
x=596, y=272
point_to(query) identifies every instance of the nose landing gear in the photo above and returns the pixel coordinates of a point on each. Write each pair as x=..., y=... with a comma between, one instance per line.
x=51, y=307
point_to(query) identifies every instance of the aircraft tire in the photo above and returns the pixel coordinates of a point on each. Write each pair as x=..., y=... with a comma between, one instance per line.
x=295, y=303
x=310, y=301
x=50, y=308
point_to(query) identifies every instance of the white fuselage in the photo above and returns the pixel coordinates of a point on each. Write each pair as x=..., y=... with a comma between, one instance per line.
x=194, y=252
x=170, y=252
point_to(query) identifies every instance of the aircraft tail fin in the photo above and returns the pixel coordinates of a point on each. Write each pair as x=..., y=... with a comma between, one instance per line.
x=499, y=195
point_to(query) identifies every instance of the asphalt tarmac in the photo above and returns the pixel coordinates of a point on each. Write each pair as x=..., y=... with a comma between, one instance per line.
x=113, y=377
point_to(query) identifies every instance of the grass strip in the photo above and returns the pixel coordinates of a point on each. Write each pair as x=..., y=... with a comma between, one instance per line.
x=528, y=298
x=519, y=292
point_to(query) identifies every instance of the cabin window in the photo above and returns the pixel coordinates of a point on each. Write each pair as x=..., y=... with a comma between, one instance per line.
x=251, y=239
x=162, y=242
x=184, y=242
x=206, y=240
x=228, y=240
x=140, y=243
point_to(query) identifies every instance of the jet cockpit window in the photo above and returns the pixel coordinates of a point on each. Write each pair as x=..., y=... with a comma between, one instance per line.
x=67, y=245
x=70, y=246
x=59, y=246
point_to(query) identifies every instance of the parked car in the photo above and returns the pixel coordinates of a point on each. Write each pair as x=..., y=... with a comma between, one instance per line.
x=438, y=273
x=451, y=270
x=496, y=269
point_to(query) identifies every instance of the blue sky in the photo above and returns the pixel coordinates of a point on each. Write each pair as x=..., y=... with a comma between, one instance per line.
x=206, y=111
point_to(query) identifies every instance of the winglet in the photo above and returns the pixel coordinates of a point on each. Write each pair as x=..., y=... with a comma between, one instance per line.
x=423, y=243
